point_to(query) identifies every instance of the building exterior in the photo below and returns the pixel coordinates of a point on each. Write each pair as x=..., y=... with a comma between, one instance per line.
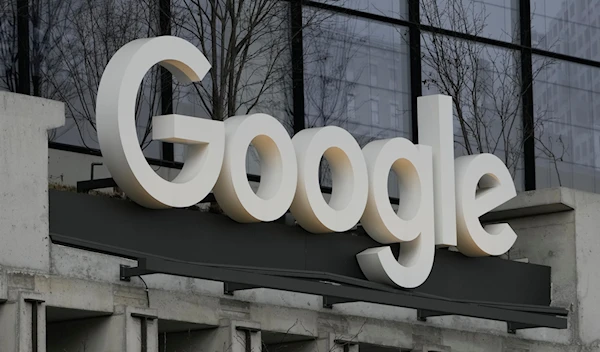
x=83, y=271
x=63, y=284
x=350, y=63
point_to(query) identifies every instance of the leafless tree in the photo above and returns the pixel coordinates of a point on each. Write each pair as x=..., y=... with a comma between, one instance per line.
x=48, y=25
x=96, y=29
x=247, y=44
x=484, y=82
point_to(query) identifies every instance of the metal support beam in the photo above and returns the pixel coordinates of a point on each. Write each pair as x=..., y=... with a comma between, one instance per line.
x=247, y=336
x=144, y=328
x=34, y=322
x=229, y=288
x=423, y=314
x=127, y=272
x=429, y=306
x=90, y=185
x=513, y=327
x=329, y=301
x=86, y=186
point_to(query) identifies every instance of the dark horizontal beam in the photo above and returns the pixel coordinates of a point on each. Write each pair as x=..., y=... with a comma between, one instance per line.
x=96, y=152
x=99, y=183
x=278, y=249
x=90, y=185
x=450, y=33
x=404, y=299
x=230, y=287
x=329, y=302
x=423, y=314
x=513, y=327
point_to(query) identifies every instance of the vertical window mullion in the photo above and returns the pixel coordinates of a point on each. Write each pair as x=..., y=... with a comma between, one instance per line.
x=23, y=86
x=414, y=34
x=527, y=94
x=297, y=65
x=166, y=79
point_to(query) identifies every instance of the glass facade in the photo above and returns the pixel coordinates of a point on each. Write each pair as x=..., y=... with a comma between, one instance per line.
x=568, y=27
x=485, y=84
x=566, y=97
x=528, y=95
x=495, y=19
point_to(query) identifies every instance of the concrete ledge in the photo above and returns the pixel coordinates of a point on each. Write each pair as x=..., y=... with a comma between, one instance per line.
x=50, y=112
x=532, y=203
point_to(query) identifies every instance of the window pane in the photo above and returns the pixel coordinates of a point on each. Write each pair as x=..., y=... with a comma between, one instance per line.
x=496, y=19
x=252, y=78
x=485, y=86
x=71, y=43
x=367, y=61
x=388, y=8
x=567, y=121
x=571, y=28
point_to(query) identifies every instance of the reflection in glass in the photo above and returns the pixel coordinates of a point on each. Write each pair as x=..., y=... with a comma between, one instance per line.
x=387, y=8
x=566, y=98
x=496, y=19
x=484, y=82
x=357, y=77
x=567, y=27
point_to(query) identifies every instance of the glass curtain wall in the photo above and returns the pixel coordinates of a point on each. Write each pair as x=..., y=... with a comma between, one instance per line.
x=523, y=73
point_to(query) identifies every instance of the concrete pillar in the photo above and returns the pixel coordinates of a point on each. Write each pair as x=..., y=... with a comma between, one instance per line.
x=328, y=342
x=23, y=323
x=230, y=336
x=24, y=122
x=122, y=332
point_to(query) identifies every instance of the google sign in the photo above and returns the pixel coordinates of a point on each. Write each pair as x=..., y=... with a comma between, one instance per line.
x=441, y=199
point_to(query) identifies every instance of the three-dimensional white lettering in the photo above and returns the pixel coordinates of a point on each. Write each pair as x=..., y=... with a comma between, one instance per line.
x=441, y=199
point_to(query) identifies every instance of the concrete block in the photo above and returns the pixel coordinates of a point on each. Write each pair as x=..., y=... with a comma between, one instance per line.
x=77, y=263
x=587, y=253
x=24, y=121
x=121, y=332
x=182, y=306
x=78, y=294
x=19, y=332
x=229, y=336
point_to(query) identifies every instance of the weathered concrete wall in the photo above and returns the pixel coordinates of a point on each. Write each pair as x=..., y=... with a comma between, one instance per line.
x=587, y=254
x=24, y=122
x=555, y=227
x=120, y=332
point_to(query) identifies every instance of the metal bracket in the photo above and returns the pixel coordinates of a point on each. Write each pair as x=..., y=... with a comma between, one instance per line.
x=230, y=287
x=512, y=328
x=90, y=185
x=127, y=272
x=122, y=275
x=329, y=301
x=423, y=314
